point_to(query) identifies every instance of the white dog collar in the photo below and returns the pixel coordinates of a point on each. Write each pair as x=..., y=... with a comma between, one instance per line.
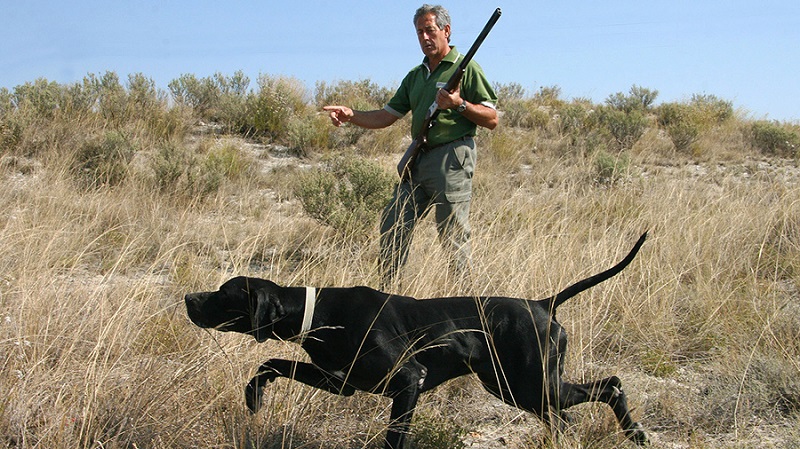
x=308, y=312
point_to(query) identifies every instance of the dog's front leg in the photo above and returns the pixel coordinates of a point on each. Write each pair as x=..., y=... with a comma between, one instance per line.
x=302, y=372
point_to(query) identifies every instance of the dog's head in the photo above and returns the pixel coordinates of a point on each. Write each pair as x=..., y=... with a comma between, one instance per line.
x=246, y=305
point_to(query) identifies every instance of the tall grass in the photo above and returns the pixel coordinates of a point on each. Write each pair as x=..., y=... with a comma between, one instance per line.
x=97, y=252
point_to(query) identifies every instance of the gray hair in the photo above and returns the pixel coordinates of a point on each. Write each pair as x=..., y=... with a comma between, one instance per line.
x=441, y=14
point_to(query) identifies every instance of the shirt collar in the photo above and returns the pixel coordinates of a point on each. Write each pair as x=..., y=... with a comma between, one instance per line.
x=451, y=57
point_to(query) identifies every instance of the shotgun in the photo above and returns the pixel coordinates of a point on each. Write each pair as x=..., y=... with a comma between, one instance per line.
x=419, y=142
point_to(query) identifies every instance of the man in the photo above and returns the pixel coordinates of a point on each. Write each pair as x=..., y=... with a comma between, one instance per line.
x=442, y=175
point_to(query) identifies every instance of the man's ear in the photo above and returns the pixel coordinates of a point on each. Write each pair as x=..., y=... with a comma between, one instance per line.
x=268, y=310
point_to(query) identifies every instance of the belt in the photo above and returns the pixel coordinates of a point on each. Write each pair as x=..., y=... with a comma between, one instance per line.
x=427, y=148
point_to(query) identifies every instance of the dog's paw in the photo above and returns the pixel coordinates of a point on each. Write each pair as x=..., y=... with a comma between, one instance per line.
x=638, y=435
x=255, y=389
x=253, y=394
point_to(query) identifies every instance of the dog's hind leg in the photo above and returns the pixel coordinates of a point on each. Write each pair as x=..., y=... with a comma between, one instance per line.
x=610, y=392
x=299, y=371
x=404, y=389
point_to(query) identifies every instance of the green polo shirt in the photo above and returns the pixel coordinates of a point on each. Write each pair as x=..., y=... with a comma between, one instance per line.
x=418, y=91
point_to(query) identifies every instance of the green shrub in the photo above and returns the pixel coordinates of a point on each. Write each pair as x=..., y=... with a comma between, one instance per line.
x=525, y=114
x=508, y=92
x=111, y=99
x=610, y=168
x=362, y=95
x=41, y=96
x=103, y=161
x=220, y=164
x=11, y=127
x=637, y=99
x=347, y=194
x=6, y=102
x=199, y=94
x=169, y=164
x=182, y=173
x=774, y=139
x=625, y=127
x=308, y=132
x=269, y=111
x=711, y=109
x=657, y=362
x=680, y=121
x=576, y=119
x=219, y=98
x=537, y=112
x=144, y=99
x=549, y=96
x=432, y=432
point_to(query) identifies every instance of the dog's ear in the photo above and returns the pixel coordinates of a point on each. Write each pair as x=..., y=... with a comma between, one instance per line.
x=268, y=309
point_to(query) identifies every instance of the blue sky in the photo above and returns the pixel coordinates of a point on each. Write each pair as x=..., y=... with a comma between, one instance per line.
x=747, y=52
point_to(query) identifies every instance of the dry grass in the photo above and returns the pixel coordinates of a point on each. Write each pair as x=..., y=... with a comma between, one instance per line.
x=703, y=327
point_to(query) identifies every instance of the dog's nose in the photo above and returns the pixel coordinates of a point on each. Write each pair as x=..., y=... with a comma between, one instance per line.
x=193, y=309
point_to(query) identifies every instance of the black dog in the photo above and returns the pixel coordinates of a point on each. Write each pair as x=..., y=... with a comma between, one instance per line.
x=361, y=339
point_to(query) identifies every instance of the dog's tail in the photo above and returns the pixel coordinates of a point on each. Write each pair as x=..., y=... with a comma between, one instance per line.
x=591, y=281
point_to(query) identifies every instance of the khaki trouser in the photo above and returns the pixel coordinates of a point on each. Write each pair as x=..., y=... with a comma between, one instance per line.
x=442, y=179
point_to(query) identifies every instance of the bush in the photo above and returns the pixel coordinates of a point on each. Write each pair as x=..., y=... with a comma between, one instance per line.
x=201, y=95
x=681, y=124
x=179, y=172
x=362, y=95
x=144, y=99
x=638, y=99
x=217, y=99
x=434, y=432
x=625, y=127
x=625, y=117
x=223, y=163
x=268, y=112
x=576, y=119
x=111, y=99
x=308, y=132
x=774, y=139
x=346, y=194
x=169, y=164
x=712, y=110
x=41, y=96
x=11, y=129
x=685, y=122
x=508, y=92
x=549, y=96
x=610, y=168
x=103, y=162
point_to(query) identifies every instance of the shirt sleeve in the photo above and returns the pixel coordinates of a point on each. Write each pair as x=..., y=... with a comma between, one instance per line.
x=476, y=88
x=400, y=103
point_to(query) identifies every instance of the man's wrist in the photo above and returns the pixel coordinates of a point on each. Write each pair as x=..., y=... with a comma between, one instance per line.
x=462, y=107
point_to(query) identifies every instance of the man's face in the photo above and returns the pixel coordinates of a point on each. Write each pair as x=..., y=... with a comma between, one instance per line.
x=432, y=39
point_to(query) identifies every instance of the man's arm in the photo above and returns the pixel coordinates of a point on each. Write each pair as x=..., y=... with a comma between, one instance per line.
x=478, y=114
x=379, y=118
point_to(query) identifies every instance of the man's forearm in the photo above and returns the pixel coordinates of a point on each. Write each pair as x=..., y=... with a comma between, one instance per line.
x=376, y=119
x=481, y=115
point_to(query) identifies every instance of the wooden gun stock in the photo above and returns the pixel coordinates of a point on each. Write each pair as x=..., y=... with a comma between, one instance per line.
x=419, y=142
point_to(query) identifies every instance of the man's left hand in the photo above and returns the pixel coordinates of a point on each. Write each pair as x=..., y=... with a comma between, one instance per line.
x=447, y=100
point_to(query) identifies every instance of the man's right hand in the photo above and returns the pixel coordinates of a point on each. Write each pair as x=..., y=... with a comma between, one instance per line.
x=339, y=114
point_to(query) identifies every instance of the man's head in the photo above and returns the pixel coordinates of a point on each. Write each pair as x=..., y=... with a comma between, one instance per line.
x=432, y=23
